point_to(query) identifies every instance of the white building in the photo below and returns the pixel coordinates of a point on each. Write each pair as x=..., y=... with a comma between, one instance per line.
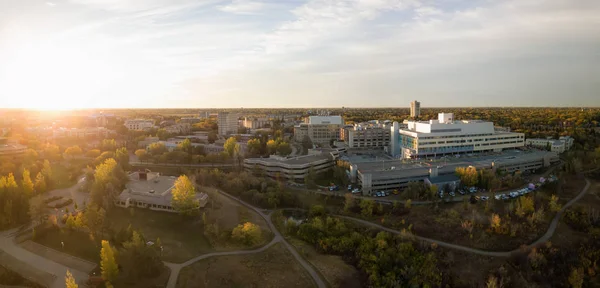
x=415, y=108
x=320, y=129
x=370, y=134
x=561, y=145
x=228, y=123
x=447, y=136
x=82, y=132
x=139, y=124
x=179, y=128
x=256, y=123
x=291, y=168
x=150, y=190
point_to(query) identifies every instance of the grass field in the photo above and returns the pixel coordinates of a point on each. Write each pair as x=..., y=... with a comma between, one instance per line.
x=77, y=243
x=275, y=267
x=10, y=278
x=182, y=238
x=333, y=268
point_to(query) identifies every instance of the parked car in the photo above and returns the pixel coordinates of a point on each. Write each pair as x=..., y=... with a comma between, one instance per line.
x=498, y=196
x=484, y=198
x=452, y=194
x=349, y=187
x=387, y=193
x=334, y=188
x=462, y=192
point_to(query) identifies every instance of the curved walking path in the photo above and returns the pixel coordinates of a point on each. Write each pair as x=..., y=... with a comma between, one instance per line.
x=176, y=268
x=549, y=233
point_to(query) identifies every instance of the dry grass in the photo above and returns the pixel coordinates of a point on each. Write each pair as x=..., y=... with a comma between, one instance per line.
x=333, y=268
x=275, y=267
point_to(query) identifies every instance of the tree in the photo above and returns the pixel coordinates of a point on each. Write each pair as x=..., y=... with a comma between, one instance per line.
x=284, y=149
x=554, y=205
x=307, y=143
x=37, y=209
x=229, y=146
x=108, y=262
x=254, y=146
x=185, y=146
x=142, y=154
x=122, y=157
x=247, y=233
x=310, y=179
x=93, y=218
x=348, y=202
x=108, y=145
x=184, y=196
x=47, y=170
x=212, y=137
x=40, y=183
x=408, y=204
x=495, y=222
x=576, y=277
x=366, y=207
x=70, y=280
x=316, y=211
x=72, y=152
x=271, y=146
x=138, y=259
x=157, y=148
x=94, y=153
x=27, y=184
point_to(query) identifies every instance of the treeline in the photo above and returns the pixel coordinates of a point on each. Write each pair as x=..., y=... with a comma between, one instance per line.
x=186, y=153
x=384, y=259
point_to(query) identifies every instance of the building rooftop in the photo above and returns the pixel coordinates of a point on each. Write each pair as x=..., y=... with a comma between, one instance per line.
x=155, y=190
x=294, y=160
x=443, y=179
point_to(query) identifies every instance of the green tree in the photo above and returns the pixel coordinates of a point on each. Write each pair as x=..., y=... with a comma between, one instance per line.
x=284, y=149
x=157, y=148
x=348, y=202
x=408, y=204
x=108, y=145
x=366, y=207
x=70, y=280
x=108, y=262
x=254, y=146
x=185, y=146
x=37, y=209
x=122, y=157
x=212, y=137
x=576, y=277
x=184, y=196
x=229, y=146
x=27, y=184
x=47, y=171
x=247, y=233
x=93, y=218
x=554, y=205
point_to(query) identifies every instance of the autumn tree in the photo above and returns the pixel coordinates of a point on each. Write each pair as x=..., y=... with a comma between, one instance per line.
x=272, y=146
x=27, y=185
x=108, y=262
x=93, y=218
x=230, y=145
x=40, y=183
x=122, y=157
x=554, y=205
x=247, y=233
x=254, y=147
x=184, y=196
x=94, y=153
x=72, y=152
x=37, y=209
x=70, y=280
x=366, y=207
x=142, y=154
x=348, y=202
x=284, y=149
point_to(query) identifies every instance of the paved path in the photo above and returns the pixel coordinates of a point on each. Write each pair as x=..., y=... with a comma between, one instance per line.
x=39, y=263
x=541, y=240
x=176, y=268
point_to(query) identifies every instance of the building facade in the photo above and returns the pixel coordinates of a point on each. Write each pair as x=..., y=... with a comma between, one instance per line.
x=227, y=123
x=319, y=129
x=292, y=169
x=99, y=132
x=415, y=109
x=150, y=190
x=11, y=150
x=561, y=145
x=139, y=124
x=446, y=136
x=256, y=123
x=366, y=135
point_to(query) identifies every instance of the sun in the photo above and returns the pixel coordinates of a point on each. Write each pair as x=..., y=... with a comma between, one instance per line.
x=52, y=75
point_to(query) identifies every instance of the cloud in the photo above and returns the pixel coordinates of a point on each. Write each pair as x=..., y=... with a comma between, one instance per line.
x=243, y=7
x=51, y=4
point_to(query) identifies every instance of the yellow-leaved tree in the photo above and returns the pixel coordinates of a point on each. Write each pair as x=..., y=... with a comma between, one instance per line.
x=184, y=196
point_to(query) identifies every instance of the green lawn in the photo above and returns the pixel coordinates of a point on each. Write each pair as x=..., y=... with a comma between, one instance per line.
x=77, y=243
x=181, y=238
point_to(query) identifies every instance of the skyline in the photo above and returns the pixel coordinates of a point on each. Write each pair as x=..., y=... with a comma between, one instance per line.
x=104, y=54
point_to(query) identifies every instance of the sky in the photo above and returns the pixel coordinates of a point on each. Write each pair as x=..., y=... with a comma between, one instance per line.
x=66, y=54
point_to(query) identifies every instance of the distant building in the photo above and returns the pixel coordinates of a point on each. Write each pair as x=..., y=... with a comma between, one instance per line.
x=204, y=115
x=139, y=124
x=257, y=123
x=190, y=120
x=228, y=123
x=320, y=129
x=370, y=134
x=98, y=132
x=152, y=191
x=415, y=109
x=447, y=136
x=290, y=168
x=180, y=128
x=561, y=145
x=11, y=150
